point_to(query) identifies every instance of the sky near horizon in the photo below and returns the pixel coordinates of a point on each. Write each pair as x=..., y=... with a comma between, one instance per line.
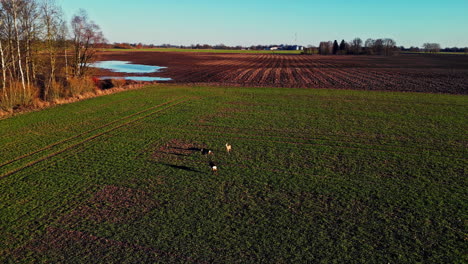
x=252, y=22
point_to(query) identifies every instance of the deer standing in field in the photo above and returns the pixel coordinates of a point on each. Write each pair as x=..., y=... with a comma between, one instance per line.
x=228, y=148
x=206, y=152
x=214, y=168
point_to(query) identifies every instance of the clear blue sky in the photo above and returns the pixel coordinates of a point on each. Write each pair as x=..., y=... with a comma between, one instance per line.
x=250, y=22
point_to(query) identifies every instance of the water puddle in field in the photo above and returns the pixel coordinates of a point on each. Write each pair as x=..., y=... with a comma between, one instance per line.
x=137, y=78
x=128, y=67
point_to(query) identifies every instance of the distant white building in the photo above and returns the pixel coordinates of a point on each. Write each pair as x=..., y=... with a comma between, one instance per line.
x=286, y=47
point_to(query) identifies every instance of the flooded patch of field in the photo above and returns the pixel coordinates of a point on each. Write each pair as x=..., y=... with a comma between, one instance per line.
x=137, y=78
x=128, y=67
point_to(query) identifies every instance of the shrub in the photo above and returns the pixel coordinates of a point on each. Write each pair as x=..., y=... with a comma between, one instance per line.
x=56, y=90
x=77, y=86
x=118, y=82
x=15, y=96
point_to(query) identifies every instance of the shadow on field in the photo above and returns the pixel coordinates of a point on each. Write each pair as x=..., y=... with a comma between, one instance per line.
x=185, y=168
x=194, y=149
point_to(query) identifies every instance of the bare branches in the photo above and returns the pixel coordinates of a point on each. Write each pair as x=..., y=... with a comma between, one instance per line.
x=34, y=42
x=386, y=46
x=356, y=46
x=325, y=48
x=52, y=22
x=86, y=35
x=431, y=47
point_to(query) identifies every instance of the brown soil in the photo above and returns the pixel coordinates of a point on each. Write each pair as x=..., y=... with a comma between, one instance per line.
x=415, y=73
x=61, y=244
x=112, y=204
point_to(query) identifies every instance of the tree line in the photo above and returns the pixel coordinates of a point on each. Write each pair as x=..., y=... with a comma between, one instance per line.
x=42, y=56
x=385, y=46
x=434, y=48
x=354, y=47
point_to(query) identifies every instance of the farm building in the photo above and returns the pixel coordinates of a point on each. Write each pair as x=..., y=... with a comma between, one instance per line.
x=285, y=47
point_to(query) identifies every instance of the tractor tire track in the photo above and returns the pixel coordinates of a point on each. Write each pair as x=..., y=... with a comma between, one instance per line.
x=83, y=133
x=32, y=163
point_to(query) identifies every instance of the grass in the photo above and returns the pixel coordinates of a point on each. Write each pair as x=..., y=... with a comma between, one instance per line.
x=315, y=176
x=211, y=51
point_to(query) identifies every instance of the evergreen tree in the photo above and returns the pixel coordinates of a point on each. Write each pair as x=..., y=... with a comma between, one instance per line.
x=336, y=47
x=343, y=46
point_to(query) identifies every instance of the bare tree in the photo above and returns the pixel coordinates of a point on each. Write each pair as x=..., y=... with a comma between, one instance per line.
x=379, y=47
x=2, y=55
x=389, y=46
x=33, y=39
x=8, y=35
x=51, y=19
x=64, y=43
x=15, y=8
x=356, y=46
x=369, y=46
x=86, y=35
x=325, y=48
x=30, y=28
x=431, y=47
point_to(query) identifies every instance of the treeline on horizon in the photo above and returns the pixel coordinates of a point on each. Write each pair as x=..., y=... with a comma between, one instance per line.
x=43, y=57
x=356, y=46
x=382, y=46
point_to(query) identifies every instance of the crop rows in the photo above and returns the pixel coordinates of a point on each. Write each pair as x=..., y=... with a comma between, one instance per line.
x=301, y=71
x=400, y=73
x=83, y=138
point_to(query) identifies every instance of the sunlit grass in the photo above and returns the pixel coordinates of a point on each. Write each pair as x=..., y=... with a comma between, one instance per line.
x=314, y=176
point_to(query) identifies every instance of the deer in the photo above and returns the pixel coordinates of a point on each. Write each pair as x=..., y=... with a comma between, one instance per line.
x=206, y=151
x=214, y=168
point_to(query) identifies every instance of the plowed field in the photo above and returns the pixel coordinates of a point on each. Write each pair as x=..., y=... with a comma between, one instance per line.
x=415, y=73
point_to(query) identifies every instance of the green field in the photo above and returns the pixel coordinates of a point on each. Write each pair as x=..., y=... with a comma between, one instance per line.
x=315, y=176
x=210, y=51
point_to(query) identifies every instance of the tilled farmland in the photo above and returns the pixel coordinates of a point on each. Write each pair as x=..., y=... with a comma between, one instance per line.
x=409, y=73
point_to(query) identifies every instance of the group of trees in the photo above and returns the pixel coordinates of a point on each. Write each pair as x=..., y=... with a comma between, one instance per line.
x=431, y=47
x=456, y=49
x=385, y=47
x=40, y=55
x=356, y=46
x=434, y=48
